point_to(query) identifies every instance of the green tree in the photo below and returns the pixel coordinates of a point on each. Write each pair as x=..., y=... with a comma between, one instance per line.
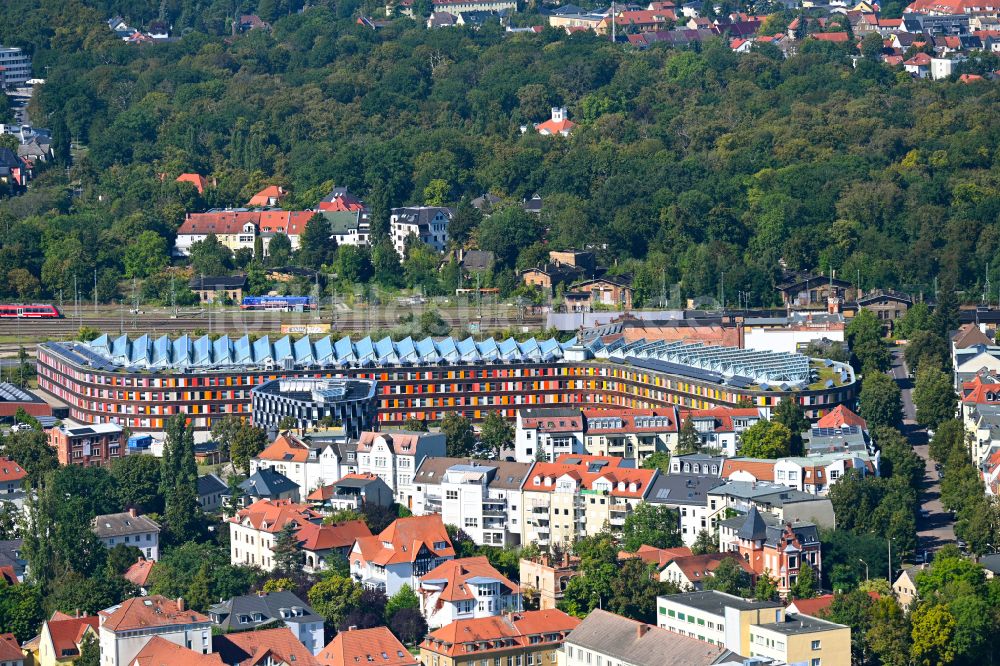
x=864, y=334
x=460, y=438
x=278, y=585
x=505, y=232
x=199, y=592
x=496, y=433
x=889, y=632
x=436, y=192
x=729, y=577
x=317, y=245
x=945, y=319
x=881, y=402
x=334, y=596
x=90, y=652
x=146, y=256
x=789, y=414
x=872, y=46
x=688, y=440
x=211, y=257
x=766, y=588
x=805, y=583
x=659, y=460
x=246, y=444
x=651, y=525
x=279, y=250
x=925, y=347
x=916, y=319
x=415, y=425
x=766, y=439
x=287, y=556
x=30, y=450
x=385, y=263
x=179, y=481
x=405, y=598
x=949, y=436
x=705, y=542
x=137, y=483
x=21, y=610
x=464, y=221
x=933, y=629
x=10, y=142
x=933, y=396
x=23, y=417
x=288, y=423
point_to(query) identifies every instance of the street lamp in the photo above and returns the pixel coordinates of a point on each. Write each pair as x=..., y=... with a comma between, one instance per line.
x=866, y=568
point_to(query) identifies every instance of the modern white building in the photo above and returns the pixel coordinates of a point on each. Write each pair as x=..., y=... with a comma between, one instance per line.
x=547, y=433
x=720, y=428
x=394, y=456
x=687, y=494
x=126, y=628
x=465, y=589
x=16, y=66
x=483, y=498
x=428, y=224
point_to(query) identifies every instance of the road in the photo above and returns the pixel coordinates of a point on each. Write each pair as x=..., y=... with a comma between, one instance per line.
x=938, y=528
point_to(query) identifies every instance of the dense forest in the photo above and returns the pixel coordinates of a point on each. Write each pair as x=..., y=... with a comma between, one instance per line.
x=686, y=164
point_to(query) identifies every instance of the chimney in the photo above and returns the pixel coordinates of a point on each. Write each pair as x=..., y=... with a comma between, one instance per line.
x=641, y=630
x=180, y=604
x=131, y=512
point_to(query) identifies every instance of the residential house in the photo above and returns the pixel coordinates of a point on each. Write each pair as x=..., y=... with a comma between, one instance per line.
x=60, y=640
x=606, y=638
x=130, y=529
x=441, y=20
x=401, y=554
x=269, y=484
x=35, y=149
x=268, y=197
x=888, y=306
x=690, y=573
x=558, y=125
x=919, y=65
x=264, y=647
x=571, y=18
x=349, y=227
x=550, y=275
x=577, y=496
x=427, y=224
x=354, y=491
x=481, y=497
x=659, y=557
x=466, y=588
x=219, y=288
x=239, y=228
x=340, y=200
x=546, y=577
x=310, y=463
x=813, y=474
x=87, y=445
x=11, y=479
x=634, y=434
x=717, y=618
x=273, y=608
x=720, y=428
x=376, y=645
x=195, y=179
x=803, y=289
x=212, y=493
x=696, y=463
x=14, y=171
x=12, y=562
x=126, y=628
x=530, y=637
x=138, y=574
x=160, y=652
x=772, y=547
x=322, y=544
x=802, y=639
x=905, y=586
x=547, y=433
x=253, y=529
x=782, y=502
x=252, y=22
x=395, y=456
x=687, y=494
x=613, y=292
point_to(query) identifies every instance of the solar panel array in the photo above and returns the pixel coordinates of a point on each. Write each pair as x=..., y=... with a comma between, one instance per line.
x=711, y=363
x=11, y=393
x=146, y=353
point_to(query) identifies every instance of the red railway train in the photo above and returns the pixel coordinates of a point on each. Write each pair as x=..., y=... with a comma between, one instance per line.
x=29, y=311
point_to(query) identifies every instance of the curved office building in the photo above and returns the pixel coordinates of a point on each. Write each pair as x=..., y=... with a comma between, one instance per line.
x=140, y=382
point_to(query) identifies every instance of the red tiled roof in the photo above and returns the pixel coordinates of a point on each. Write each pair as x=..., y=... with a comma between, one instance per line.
x=263, y=197
x=819, y=604
x=138, y=573
x=840, y=416
x=451, y=638
x=404, y=443
x=266, y=646
x=611, y=471
x=356, y=647
x=67, y=632
x=557, y=127
x=700, y=567
x=11, y=471
x=8, y=574
x=455, y=573
x=552, y=421
x=154, y=611
x=969, y=78
x=628, y=417
x=723, y=416
x=661, y=557
x=161, y=652
x=195, y=179
x=338, y=535
x=762, y=470
x=292, y=223
x=953, y=7
x=839, y=37
x=406, y=537
x=286, y=448
x=919, y=60
x=271, y=515
x=10, y=649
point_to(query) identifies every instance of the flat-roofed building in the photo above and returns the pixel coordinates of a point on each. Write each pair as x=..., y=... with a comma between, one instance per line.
x=309, y=402
x=802, y=639
x=716, y=618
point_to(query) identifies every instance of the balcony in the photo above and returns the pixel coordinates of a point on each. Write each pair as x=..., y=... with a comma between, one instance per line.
x=540, y=508
x=494, y=513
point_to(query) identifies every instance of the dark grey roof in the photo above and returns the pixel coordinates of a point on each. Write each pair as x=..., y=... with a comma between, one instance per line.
x=421, y=215
x=485, y=201
x=534, y=204
x=753, y=528
x=682, y=489
x=805, y=532
x=274, y=606
x=120, y=524
x=356, y=482
x=267, y=482
x=619, y=637
x=10, y=555
x=715, y=603
x=9, y=159
x=503, y=474
x=210, y=282
x=477, y=260
x=991, y=562
x=772, y=494
x=210, y=483
x=801, y=624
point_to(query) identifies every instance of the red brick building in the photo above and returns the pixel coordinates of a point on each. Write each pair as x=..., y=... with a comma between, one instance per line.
x=87, y=445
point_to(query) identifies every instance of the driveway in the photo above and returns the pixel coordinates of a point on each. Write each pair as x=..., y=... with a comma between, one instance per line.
x=938, y=528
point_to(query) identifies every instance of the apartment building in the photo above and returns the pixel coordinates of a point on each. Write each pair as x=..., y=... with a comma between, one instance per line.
x=809, y=474
x=15, y=65
x=324, y=544
x=87, y=445
x=427, y=224
x=464, y=589
x=802, y=639
x=577, y=495
x=772, y=547
x=129, y=529
x=782, y=502
x=530, y=637
x=308, y=464
x=547, y=577
x=401, y=554
x=715, y=617
x=395, y=456
x=252, y=530
x=283, y=608
x=606, y=638
x=126, y=628
x=634, y=434
x=366, y=646
x=720, y=428
x=481, y=497
x=687, y=494
x=690, y=572
x=697, y=463
x=547, y=433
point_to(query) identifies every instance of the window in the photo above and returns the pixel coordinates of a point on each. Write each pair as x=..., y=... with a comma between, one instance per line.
x=472, y=522
x=451, y=494
x=815, y=662
x=815, y=645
